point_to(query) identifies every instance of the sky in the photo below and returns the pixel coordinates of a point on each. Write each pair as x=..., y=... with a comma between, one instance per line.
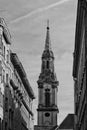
x=27, y=21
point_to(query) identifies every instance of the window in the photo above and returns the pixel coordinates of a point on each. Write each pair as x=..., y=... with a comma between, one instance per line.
x=4, y=52
x=7, y=78
x=6, y=104
x=7, y=56
x=10, y=118
x=1, y=44
x=5, y=125
x=0, y=78
x=0, y=71
x=47, y=64
x=1, y=98
x=47, y=97
x=3, y=75
x=43, y=65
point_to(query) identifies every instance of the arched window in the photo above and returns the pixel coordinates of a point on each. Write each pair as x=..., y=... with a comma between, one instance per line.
x=47, y=64
x=47, y=97
x=43, y=65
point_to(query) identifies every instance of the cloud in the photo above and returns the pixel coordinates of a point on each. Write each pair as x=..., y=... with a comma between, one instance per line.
x=40, y=10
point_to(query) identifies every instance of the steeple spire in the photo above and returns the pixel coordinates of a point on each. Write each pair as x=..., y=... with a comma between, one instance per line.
x=47, y=85
x=47, y=42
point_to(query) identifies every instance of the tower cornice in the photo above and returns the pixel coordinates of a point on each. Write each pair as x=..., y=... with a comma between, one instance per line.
x=48, y=109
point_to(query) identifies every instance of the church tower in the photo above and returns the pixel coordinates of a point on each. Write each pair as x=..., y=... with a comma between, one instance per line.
x=47, y=88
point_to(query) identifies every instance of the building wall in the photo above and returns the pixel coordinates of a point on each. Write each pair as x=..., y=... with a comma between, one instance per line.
x=15, y=100
x=4, y=66
x=23, y=102
x=79, y=69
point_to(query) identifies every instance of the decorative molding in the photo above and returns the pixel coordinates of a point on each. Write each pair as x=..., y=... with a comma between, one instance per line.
x=48, y=109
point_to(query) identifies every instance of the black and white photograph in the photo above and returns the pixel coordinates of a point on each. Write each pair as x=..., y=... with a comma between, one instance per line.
x=43, y=64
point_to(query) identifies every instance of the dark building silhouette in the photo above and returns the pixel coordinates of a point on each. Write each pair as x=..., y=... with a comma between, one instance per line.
x=47, y=90
x=67, y=123
x=16, y=94
x=80, y=67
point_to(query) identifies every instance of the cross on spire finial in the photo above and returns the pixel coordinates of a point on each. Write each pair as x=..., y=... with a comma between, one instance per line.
x=47, y=42
x=48, y=24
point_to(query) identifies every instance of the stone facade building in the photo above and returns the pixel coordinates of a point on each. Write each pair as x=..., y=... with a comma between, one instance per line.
x=5, y=68
x=22, y=96
x=80, y=67
x=16, y=94
x=47, y=90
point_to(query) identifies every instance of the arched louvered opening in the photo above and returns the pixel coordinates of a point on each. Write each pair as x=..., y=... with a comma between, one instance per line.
x=47, y=97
